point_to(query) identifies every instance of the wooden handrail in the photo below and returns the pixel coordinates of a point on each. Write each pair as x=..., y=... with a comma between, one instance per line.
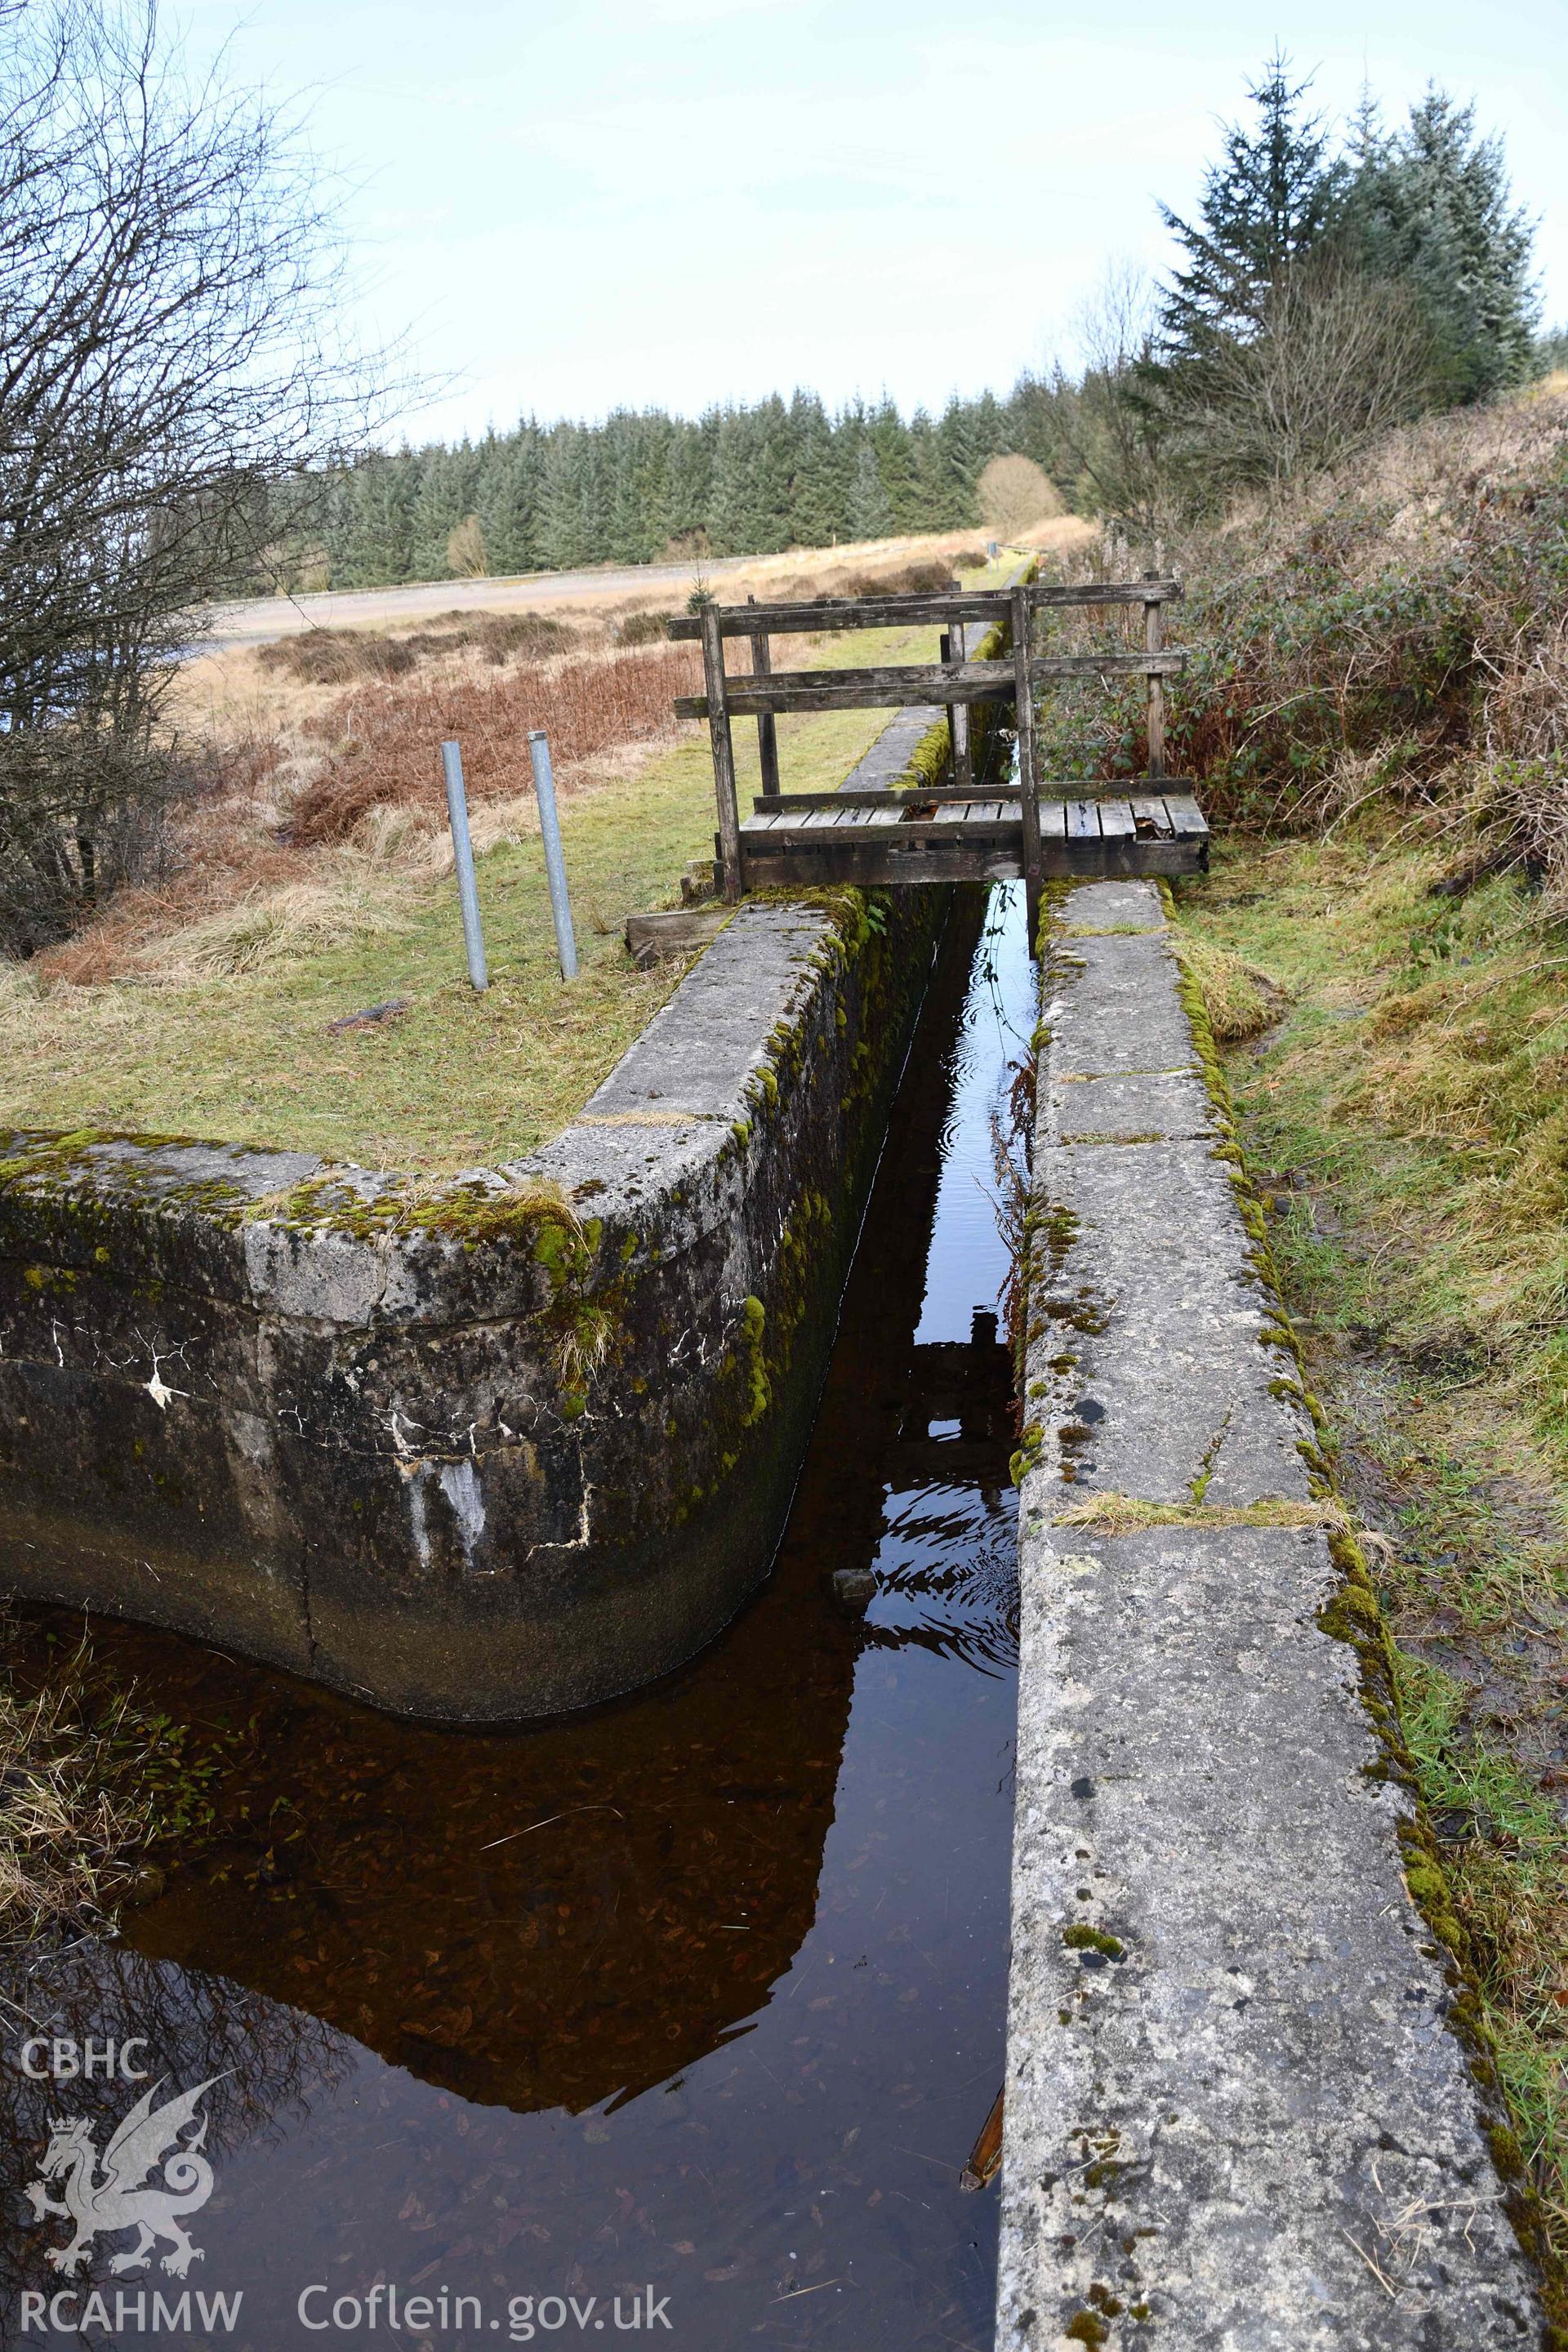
x=930, y=682
x=829, y=613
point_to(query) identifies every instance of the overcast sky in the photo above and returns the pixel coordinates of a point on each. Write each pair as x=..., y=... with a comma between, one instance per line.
x=678, y=202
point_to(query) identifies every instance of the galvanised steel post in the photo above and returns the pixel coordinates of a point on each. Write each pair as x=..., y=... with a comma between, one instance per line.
x=555, y=864
x=463, y=857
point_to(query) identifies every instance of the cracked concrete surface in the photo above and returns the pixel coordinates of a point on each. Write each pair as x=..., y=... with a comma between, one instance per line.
x=1238, y=2117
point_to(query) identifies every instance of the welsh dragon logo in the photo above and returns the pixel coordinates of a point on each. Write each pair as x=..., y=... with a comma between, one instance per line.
x=121, y=2195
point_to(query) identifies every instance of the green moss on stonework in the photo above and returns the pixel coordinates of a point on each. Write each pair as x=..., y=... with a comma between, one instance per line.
x=1031, y=1441
x=1081, y=1938
x=754, y=1320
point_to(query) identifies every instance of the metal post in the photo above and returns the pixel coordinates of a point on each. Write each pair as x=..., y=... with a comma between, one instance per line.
x=463, y=857
x=555, y=864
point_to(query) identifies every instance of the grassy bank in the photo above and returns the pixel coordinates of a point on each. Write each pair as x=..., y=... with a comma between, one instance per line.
x=220, y=1027
x=1399, y=1058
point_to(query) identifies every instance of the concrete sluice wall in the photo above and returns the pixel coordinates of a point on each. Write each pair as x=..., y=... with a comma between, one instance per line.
x=1248, y=2105
x=489, y=1454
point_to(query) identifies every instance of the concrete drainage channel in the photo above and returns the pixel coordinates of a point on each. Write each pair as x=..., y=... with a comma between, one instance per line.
x=1245, y=2108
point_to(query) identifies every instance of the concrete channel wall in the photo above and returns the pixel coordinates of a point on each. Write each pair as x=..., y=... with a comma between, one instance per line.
x=1248, y=2104
x=500, y=1448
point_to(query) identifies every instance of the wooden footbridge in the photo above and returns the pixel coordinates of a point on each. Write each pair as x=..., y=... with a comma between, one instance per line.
x=955, y=829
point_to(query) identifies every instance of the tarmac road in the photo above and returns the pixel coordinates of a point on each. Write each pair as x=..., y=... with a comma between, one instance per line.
x=262, y=622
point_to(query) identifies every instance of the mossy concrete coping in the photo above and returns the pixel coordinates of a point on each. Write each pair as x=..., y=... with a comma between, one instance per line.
x=504, y=1447
x=1247, y=2102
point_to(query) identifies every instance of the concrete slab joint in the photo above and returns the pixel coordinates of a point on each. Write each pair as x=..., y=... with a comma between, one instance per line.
x=1238, y=2115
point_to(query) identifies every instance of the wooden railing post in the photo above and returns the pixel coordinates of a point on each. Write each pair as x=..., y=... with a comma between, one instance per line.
x=1155, y=642
x=1029, y=759
x=768, y=726
x=723, y=749
x=958, y=717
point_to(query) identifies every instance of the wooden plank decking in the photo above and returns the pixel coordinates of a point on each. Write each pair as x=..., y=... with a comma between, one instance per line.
x=946, y=837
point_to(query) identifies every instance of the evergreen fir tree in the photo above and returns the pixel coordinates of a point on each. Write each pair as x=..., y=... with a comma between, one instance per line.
x=380, y=530
x=931, y=502
x=1432, y=208
x=510, y=499
x=959, y=458
x=772, y=464
x=819, y=487
x=689, y=479
x=1275, y=192
x=732, y=520
x=889, y=438
x=870, y=510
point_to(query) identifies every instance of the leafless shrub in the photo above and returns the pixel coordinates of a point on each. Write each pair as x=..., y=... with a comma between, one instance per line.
x=169, y=291
x=1338, y=360
x=1106, y=429
x=354, y=656
x=1014, y=492
x=901, y=580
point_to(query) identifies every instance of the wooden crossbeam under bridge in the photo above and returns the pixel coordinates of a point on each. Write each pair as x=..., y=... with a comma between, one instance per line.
x=959, y=831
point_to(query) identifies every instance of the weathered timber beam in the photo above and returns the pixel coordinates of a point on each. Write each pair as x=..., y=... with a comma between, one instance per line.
x=870, y=861
x=911, y=796
x=1071, y=788
x=870, y=865
x=906, y=612
x=1106, y=592
x=878, y=690
x=854, y=612
x=916, y=834
x=826, y=690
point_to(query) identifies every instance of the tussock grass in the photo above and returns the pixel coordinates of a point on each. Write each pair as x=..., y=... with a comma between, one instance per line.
x=1424, y=1057
x=1406, y=1119
x=1240, y=999
x=77, y=1804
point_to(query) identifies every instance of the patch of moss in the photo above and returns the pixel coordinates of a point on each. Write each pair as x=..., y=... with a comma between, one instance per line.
x=1081, y=1938
x=754, y=1321
x=1032, y=1439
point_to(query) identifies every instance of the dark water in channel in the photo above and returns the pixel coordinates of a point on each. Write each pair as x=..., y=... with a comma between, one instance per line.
x=700, y=1994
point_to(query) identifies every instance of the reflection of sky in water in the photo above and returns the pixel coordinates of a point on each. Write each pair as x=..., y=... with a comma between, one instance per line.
x=969, y=1265
x=730, y=2022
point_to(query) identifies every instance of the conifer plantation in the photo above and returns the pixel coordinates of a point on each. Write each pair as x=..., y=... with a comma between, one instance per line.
x=1329, y=285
